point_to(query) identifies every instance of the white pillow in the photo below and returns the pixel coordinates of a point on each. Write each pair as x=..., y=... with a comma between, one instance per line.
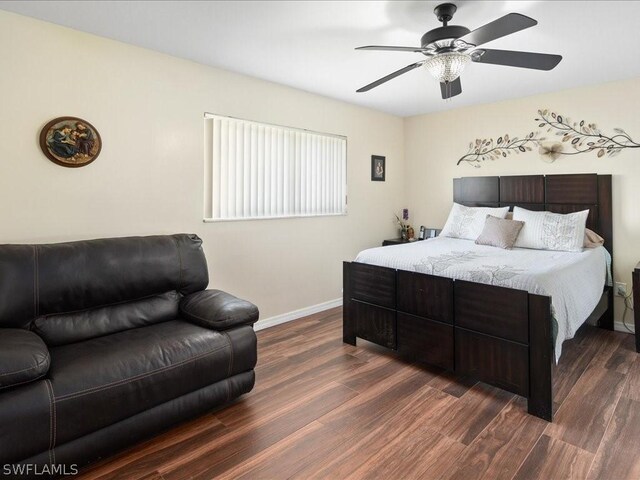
x=468, y=222
x=551, y=231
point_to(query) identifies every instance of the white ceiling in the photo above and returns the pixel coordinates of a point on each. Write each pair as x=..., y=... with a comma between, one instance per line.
x=310, y=44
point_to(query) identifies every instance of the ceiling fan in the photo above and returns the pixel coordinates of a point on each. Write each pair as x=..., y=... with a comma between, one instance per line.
x=450, y=48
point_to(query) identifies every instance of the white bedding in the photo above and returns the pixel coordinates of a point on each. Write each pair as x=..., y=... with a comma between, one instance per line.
x=573, y=280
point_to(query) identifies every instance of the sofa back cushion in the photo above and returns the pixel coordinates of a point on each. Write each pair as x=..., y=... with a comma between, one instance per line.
x=64, y=328
x=71, y=278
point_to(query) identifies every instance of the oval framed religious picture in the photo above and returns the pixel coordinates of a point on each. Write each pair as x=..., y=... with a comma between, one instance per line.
x=70, y=142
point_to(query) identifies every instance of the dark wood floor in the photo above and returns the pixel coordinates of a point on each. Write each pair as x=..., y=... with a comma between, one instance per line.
x=323, y=409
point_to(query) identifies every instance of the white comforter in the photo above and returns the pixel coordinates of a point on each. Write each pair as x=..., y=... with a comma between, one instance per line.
x=573, y=280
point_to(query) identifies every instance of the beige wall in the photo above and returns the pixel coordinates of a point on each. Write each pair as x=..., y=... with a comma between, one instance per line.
x=434, y=143
x=148, y=179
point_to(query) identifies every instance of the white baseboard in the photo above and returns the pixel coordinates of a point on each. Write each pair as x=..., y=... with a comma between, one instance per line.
x=618, y=326
x=303, y=312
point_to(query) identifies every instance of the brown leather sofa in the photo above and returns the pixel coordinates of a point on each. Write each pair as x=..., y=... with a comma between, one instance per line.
x=106, y=342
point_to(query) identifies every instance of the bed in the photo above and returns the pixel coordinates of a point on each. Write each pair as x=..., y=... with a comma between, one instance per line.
x=482, y=312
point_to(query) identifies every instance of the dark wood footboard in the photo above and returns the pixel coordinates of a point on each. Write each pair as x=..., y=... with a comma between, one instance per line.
x=540, y=401
x=498, y=335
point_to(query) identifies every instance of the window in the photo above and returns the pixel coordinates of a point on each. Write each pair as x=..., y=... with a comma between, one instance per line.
x=255, y=170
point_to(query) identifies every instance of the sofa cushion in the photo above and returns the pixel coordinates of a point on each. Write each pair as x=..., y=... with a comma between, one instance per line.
x=23, y=357
x=104, y=380
x=26, y=421
x=17, y=285
x=218, y=310
x=104, y=442
x=72, y=327
x=47, y=279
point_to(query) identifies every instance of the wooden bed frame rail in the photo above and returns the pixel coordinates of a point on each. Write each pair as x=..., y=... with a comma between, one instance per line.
x=498, y=335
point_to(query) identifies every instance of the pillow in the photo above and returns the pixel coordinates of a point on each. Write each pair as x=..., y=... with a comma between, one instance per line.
x=468, y=222
x=551, y=231
x=592, y=239
x=499, y=232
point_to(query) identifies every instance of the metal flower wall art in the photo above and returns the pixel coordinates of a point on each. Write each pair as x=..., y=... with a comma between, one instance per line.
x=573, y=138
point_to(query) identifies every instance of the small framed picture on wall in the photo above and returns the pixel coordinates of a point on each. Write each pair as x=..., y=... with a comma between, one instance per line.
x=378, y=168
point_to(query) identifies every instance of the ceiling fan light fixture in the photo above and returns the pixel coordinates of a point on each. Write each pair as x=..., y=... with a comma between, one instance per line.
x=446, y=67
x=450, y=47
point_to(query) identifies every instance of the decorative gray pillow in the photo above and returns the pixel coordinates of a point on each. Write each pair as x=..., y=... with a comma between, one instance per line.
x=499, y=232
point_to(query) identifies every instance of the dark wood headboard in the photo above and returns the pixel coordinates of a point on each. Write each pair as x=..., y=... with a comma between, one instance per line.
x=554, y=193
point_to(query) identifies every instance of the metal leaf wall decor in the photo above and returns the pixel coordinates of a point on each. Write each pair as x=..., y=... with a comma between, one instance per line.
x=572, y=138
x=487, y=149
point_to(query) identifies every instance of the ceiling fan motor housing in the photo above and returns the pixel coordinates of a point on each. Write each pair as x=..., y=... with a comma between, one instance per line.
x=434, y=39
x=443, y=33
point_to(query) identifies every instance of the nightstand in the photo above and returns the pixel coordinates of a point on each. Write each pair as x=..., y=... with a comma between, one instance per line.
x=395, y=241
x=636, y=304
x=430, y=233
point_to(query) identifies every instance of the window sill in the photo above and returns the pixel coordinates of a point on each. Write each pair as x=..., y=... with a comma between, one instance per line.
x=281, y=217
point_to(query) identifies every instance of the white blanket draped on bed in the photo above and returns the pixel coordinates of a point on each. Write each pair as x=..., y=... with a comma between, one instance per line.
x=573, y=280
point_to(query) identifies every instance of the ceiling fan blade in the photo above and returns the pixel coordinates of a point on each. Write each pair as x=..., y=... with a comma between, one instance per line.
x=395, y=74
x=537, y=61
x=391, y=48
x=451, y=89
x=510, y=23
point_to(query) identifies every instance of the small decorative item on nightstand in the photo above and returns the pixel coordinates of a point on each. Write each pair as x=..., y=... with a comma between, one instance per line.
x=404, y=225
x=432, y=232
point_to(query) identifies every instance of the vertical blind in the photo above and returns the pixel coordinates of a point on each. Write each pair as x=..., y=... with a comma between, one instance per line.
x=256, y=170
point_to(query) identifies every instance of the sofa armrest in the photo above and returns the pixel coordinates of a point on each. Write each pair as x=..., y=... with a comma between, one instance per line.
x=217, y=310
x=23, y=357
